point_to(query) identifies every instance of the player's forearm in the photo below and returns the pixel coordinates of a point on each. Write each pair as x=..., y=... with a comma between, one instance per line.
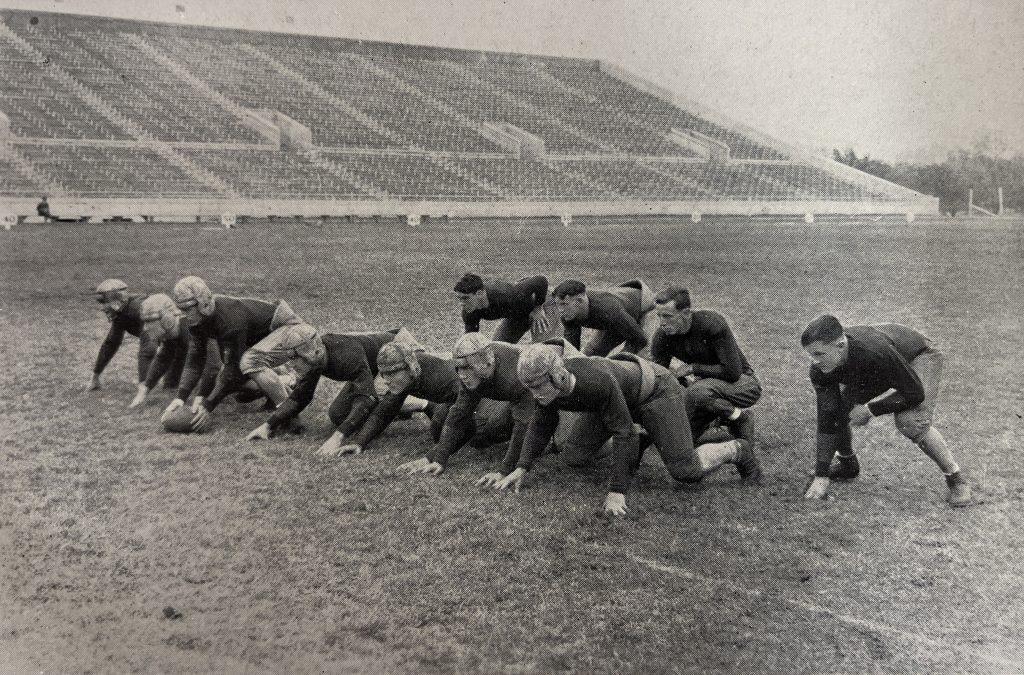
x=827, y=446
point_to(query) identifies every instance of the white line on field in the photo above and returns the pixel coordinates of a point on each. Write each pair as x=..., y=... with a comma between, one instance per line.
x=1010, y=665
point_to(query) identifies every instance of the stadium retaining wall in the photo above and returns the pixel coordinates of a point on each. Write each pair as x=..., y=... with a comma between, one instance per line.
x=189, y=209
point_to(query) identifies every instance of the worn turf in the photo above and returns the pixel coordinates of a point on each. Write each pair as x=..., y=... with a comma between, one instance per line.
x=124, y=548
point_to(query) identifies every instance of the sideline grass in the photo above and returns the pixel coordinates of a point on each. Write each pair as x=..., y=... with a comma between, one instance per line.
x=278, y=560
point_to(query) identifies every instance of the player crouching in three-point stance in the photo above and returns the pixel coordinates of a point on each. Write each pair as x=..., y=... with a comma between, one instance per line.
x=254, y=337
x=720, y=384
x=162, y=325
x=623, y=315
x=520, y=306
x=851, y=370
x=408, y=370
x=351, y=359
x=124, y=312
x=492, y=405
x=612, y=394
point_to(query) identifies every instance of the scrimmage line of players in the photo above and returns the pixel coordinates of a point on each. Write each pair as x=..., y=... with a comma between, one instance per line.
x=657, y=373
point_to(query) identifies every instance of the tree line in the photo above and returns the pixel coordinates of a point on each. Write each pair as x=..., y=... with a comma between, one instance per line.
x=978, y=169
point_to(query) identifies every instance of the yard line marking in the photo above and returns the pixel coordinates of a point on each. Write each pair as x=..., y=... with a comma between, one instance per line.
x=1009, y=664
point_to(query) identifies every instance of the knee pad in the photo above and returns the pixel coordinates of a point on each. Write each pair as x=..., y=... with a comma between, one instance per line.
x=913, y=429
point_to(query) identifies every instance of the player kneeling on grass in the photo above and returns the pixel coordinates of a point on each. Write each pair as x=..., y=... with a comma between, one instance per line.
x=623, y=315
x=720, y=384
x=852, y=370
x=352, y=360
x=408, y=371
x=492, y=405
x=254, y=337
x=162, y=325
x=124, y=312
x=612, y=394
x=520, y=306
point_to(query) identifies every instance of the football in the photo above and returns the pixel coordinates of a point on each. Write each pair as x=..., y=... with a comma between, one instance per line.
x=178, y=420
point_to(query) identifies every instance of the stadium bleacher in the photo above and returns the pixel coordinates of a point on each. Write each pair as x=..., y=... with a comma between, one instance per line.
x=395, y=121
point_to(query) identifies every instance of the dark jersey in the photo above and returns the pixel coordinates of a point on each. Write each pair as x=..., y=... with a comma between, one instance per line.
x=878, y=360
x=236, y=324
x=597, y=390
x=616, y=315
x=508, y=301
x=128, y=320
x=504, y=385
x=436, y=383
x=173, y=348
x=709, y=347
x=350, y=358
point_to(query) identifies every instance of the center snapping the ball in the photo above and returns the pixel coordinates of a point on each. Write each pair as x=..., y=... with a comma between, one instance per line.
x=178, y=420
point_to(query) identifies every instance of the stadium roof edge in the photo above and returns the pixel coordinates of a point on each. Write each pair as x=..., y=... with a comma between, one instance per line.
x=4, y=12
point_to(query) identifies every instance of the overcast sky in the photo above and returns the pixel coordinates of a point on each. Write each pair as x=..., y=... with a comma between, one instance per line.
x=895, y=78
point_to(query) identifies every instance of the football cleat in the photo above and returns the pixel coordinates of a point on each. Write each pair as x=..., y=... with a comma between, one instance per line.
x=844, y=468
x=747, y=463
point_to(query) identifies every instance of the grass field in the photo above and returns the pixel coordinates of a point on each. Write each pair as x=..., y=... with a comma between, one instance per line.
x=278, y=560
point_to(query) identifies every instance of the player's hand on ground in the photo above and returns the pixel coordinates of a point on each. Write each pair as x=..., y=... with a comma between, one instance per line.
x=330, y=447
x=95, y=382
x=348, y=449
x=539, y=321
x=197, y=404
x=260, y=433
x=140, y=396
x=860, y=415
x=201, y=421
x=615, y=504
x=421, y=465
x=514, y=481
x=174, y=405
x=818, y=489
x=490, y=479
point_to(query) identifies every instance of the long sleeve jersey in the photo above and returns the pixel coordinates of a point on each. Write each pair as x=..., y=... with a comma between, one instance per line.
x=236, y=324
x=709, y=347
x=350, y=358
x=508, y=301
x=172, y=348
x=128, y=320
x=878, y=359
x=437, y=383
x=603, y=387
x=611, y=313
x=503, y=385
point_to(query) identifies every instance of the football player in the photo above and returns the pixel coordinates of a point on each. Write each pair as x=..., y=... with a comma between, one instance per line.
x=408, y=370
x=351, y=359
x=254, y=337
x=613, y=394
x=520, y=306
x=623, y=315
x=863, y=372
x=491, y=397
x=720, y=384
x=123, y=311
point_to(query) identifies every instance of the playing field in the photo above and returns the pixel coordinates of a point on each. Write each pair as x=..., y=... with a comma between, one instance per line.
x=278, y=560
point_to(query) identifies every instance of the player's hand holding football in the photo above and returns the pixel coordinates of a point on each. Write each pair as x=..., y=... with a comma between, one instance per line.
x=260, y=433
x=860, y=415
x=202, y=419
x=514, y=480
x=615, y=504
x=818, y=489
x=490, y=479
x=174, y=405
